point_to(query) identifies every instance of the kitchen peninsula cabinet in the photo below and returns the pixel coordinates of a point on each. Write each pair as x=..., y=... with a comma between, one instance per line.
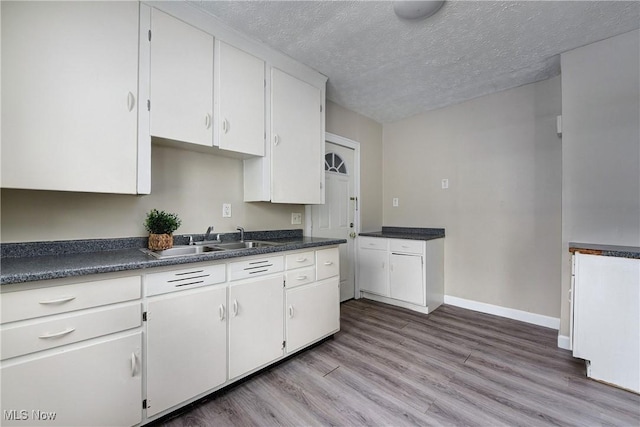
x=405, y=272
x=181, y=81
x=70, y=96
x=239, y=90
x=605, y=327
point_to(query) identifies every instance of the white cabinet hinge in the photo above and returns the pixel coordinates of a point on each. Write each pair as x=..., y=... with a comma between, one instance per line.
x=148, y=105
x=283, y=344
x=321, y=108
x=144, y=316
x=149, y=35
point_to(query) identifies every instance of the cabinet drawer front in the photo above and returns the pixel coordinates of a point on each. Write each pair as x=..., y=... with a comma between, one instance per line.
x=327, y=263
x=407, y=246
x=373, y=243
x=42, y=335
x=188, y=278
x=300, y=277
x=255, y=267
x=22, y=305
x=302, y=259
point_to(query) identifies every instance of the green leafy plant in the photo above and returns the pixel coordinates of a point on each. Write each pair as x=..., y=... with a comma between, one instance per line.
x=161, y=222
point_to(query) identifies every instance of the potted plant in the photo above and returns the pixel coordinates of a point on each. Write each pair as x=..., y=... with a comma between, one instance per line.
x=161, y=226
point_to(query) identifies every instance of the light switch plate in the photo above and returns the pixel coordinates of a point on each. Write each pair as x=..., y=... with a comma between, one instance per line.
x=226, y=210
x=395, y=202
x=445, y=184
x=296, y=218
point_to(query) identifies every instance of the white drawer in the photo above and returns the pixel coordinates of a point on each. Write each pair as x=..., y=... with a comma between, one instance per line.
x=300, y=276
x=31, y=336
x=327, y=263
x=373, y=243
x=300, y=259
x=407, y=246
x=255, y=267
x=187, y=278
x=32, y=303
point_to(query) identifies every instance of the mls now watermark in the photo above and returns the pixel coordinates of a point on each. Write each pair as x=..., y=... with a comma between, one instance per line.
x=24, y=415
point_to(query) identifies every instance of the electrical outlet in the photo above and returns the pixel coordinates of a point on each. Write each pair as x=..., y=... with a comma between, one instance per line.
x=226, y=210
x=395, y=202
x=296, y=218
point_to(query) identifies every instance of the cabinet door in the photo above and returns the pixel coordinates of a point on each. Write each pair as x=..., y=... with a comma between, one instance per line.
x=313, y=311
x=255, y=323
x=297, y=166
x=69, y=96
x=181, y=81
x=186, y=346
x=373, y=271
x=406, y=278
x=98, y=384
x=240, y=98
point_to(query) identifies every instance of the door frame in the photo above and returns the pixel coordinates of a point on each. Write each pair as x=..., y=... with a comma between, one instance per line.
x=355, y=146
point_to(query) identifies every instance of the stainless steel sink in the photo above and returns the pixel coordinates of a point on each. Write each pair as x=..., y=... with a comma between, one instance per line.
x=182, y=250
x=245, y=245
x=190, y=250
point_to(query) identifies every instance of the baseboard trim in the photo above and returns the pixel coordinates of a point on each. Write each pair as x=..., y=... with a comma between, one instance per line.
x=510, y=313
x=564, y=342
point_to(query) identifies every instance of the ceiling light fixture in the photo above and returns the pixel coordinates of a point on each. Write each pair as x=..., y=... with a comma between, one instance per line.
x=416, y=9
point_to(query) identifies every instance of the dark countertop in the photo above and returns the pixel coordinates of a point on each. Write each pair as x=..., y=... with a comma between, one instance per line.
x=407, y=233
x=20, y=265
x=605, y=250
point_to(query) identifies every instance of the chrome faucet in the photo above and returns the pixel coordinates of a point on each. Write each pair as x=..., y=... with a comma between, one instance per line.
x=207, y=235
x=241, y=233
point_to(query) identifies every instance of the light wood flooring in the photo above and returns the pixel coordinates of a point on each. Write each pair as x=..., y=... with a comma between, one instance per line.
x=393, y=367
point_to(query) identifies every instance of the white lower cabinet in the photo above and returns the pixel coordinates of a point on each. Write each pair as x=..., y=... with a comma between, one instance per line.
x=186, y=346
x=93, y=385
x=255, y=323
x=406, y=273
x=313, y=311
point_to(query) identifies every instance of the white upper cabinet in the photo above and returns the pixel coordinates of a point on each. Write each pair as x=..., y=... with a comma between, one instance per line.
x=239, y=100
x=181, y=81
x=297, y=140
x=70, y=96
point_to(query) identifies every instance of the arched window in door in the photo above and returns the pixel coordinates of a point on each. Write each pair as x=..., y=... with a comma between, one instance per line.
x=334, y=163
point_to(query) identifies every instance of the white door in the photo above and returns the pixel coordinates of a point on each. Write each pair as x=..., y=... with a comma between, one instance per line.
x=296, y=140
x=181, y=83
x=312, y=313
x=336, y=218
x=182, y=326
x=405, y=278
x=256, y=323
x=240, y=89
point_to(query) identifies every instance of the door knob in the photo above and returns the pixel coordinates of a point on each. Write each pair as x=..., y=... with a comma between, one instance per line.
x=352, y=235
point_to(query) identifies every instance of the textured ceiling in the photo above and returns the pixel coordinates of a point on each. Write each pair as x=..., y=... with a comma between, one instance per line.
x=388, y=69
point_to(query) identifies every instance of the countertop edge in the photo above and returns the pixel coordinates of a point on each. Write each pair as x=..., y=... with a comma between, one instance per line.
x=146, y=261
x=632, y=252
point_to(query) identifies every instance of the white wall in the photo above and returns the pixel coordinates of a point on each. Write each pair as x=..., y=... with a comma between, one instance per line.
x=192, y=184
x=600, y=148
x=368, y=133
x=502, y=211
